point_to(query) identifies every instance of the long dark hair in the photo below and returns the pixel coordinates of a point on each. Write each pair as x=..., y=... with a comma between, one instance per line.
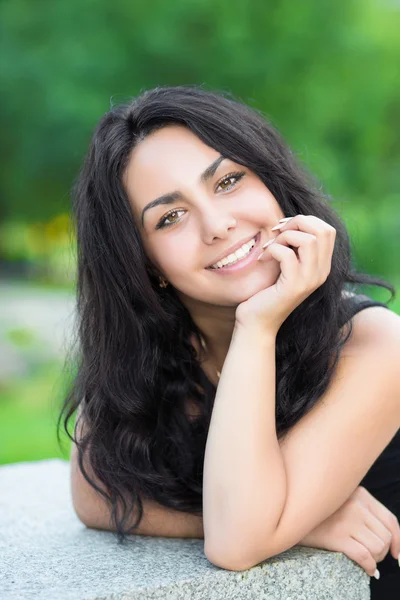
x=135, y=364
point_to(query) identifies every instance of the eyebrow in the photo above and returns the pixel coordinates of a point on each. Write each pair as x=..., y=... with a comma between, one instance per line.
x=173, y=196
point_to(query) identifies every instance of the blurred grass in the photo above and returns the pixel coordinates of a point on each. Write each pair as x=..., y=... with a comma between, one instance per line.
x=29, y=409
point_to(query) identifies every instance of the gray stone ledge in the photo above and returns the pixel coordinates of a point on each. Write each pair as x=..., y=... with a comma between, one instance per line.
x=46, y=553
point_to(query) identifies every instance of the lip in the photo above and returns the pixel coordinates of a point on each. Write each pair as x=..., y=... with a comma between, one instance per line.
x=231, y=250
x=244, y=262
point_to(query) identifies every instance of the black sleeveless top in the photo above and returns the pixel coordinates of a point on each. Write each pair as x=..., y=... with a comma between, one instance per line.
x=383, y=482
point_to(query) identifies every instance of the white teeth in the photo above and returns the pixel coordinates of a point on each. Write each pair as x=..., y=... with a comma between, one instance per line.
x=232, y=258
x=242, y=251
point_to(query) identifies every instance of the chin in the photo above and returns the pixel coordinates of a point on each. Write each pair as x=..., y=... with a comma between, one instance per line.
x=260, y=281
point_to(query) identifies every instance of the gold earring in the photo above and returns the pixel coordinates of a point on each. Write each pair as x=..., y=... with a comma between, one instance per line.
x=163, y=283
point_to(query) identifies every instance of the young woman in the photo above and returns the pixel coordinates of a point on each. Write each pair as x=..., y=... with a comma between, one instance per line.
x=232, y=384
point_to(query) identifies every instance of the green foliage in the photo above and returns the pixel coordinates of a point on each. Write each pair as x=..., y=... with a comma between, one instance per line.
x=326, y=73
x=29, y=409
x=21, y=336
x=47, y=247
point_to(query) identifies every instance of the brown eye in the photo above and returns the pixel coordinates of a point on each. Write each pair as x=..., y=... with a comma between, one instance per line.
x=166, y=220
x=171, y=215
x=227, y=180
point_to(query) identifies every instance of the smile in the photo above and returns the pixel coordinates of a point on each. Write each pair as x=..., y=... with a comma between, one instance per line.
x=240, y=259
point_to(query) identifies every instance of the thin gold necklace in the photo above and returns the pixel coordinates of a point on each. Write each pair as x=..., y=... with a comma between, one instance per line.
x=205, y=348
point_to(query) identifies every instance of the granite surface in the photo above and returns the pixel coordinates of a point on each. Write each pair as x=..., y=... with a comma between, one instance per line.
x=46, y=553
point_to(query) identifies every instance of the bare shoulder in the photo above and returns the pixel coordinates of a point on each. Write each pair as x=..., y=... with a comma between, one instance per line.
x=374, y=345
x=375, y=329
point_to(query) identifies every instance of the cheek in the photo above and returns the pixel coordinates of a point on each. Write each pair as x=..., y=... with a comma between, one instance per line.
x=266, y=208
x=176, y=259
x=262, y=202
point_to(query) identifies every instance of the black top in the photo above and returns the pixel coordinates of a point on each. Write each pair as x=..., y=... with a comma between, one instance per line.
x=383, y=482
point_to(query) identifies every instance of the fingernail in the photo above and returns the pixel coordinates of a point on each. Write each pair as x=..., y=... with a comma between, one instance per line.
x=260, y=256
x=285, y=219
x=269, y=242
x=377, y=574
x=278, y=226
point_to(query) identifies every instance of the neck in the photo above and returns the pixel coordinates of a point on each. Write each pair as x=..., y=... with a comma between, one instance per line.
x=216, y=324
x=215, y=352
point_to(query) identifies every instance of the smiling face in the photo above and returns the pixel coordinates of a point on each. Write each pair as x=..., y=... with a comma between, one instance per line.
x=205, y=218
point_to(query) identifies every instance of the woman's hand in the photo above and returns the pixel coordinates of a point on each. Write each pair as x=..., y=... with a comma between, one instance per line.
x=303, y=270
x=363, y=529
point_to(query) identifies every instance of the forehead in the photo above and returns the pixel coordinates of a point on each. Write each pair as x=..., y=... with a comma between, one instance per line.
x=168, y=157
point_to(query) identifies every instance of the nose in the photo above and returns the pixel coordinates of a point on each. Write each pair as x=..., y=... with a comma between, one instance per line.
x=216, y=224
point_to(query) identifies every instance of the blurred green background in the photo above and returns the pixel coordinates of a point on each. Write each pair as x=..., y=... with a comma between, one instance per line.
x=325, y=73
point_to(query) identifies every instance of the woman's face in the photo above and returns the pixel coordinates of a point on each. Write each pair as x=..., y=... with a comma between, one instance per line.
x=207, y=217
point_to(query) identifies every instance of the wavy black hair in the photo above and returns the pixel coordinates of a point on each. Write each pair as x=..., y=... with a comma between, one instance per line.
x=135, y=364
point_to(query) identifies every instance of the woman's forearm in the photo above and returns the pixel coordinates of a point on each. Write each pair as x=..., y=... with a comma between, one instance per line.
x=244, y=484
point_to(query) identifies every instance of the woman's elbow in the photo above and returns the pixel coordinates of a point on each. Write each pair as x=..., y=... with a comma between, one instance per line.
x=226, y=560
x=83, y=516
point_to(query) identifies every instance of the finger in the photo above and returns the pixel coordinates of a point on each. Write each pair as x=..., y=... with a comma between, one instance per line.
x=306, y=223
x=298, y=237
x=387, y=518
x=313, y=225
x=360, y=554
x=286, y=257
x=308, y=252
x=378, y=529
x=377, y=546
